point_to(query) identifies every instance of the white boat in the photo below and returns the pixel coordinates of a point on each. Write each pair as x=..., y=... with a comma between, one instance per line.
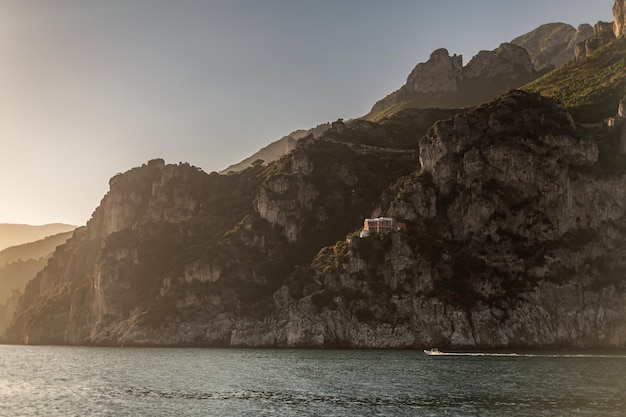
x=433, y=351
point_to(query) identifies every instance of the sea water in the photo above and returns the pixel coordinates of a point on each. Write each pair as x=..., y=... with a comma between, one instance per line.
x=77, y=381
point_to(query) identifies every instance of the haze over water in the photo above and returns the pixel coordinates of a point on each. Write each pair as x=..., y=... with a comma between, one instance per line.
x=63, y=381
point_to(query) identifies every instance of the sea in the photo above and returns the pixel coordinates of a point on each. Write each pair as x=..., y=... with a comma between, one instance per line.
x=90, y=381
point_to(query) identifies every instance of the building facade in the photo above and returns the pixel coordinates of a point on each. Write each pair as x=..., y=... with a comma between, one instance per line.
x=380, y=225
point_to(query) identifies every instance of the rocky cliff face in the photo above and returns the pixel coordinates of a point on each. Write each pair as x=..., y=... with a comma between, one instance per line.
x=99, y=275
x=175, y=256
x=515, y=239
x=619, y=12
x=507, y=61
x=440, y=74
x=602, y=35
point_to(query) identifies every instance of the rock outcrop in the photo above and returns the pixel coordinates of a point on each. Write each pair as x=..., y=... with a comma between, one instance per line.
x=507, y=61
x=602, y=35
x=619, y=12
x=440, y=74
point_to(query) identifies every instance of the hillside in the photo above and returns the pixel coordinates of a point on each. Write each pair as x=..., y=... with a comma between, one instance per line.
x=17, y=234
x=19, y=264
x=591, y=87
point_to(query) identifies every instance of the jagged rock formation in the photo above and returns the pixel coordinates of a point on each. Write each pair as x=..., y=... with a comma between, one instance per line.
x=443, y=82
x=506, y=61
x=440, y=74
x=619, y=11
x=602, y=35
x=553, y=44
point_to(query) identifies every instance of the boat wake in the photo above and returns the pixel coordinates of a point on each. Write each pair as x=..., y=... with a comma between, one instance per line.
x=436, y=352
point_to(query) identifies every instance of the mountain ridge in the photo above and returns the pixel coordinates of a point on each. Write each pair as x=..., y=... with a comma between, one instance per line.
x=12, y=234
x=544, y=52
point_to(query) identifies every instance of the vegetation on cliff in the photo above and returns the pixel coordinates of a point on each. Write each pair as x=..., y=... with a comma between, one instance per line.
x=591, y=87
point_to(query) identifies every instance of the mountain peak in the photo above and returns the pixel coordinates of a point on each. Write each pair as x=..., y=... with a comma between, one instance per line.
x=154, y=191
x=508, y=61
x=440, y=74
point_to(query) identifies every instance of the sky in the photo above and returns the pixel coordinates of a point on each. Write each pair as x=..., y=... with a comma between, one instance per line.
x=91, y=88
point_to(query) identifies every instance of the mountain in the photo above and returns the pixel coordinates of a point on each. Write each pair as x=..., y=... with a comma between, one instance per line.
x=18, y=265
x=553, y=44
x=510, y=232
x=444, y=82
x=33, y=250
x=17, y=234
x=15, y=275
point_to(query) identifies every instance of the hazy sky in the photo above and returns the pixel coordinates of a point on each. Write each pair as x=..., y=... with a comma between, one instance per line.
x=90, y=88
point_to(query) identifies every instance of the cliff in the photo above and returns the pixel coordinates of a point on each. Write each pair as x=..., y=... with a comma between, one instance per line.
x=619, y=12
x=175, y=256
x=515, y=238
